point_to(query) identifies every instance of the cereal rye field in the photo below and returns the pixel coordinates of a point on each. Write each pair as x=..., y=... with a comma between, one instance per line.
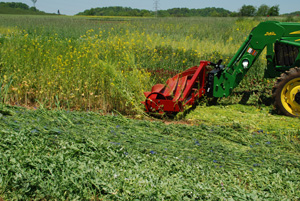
x=72, y=126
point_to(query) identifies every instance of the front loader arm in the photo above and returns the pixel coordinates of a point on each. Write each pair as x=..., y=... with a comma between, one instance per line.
x=283, y=53
x=222, y=80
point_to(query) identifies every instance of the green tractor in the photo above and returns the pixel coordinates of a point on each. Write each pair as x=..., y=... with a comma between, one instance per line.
x=282, y=41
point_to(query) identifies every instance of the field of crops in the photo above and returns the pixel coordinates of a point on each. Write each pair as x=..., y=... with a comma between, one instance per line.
x=106, y=63
x=70, y=71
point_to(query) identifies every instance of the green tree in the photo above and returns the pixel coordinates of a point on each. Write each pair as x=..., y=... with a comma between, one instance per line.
x=145, y=13
x=247, y=10
x=262, y=10
x=14, y=5
x=163, y=13
x=215, y=14
x=274, y=11
x=234, y=14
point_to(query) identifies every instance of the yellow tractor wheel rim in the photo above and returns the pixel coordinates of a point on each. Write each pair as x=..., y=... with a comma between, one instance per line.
x=290, y=91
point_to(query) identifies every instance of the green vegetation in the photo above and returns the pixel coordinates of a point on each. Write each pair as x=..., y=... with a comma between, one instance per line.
x=297, y=13
x=174, y=12
x=203, y=12
x=244, y=116
x=263, y=10
x=116, y=11
x=86, y=156
x=18, y=8
x=245, y=11
x=104, y=64
x=15, y=5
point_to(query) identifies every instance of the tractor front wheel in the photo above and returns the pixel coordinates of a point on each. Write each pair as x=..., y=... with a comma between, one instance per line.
x=286, y=93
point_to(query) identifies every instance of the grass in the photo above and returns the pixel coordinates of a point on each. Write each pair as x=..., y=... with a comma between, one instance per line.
x=250, y=117
x=83, y=155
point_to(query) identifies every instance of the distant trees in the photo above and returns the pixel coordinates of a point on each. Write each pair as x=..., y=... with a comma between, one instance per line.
x=14, y=5
x=263, y=10
x=274, y=11
x=18, y=8
x=174, y=12
x=247, y=10
x=297, y=13
x=115, y=11
x=204, y=12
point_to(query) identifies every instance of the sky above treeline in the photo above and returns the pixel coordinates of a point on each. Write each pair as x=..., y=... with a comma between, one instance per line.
x=72, y=7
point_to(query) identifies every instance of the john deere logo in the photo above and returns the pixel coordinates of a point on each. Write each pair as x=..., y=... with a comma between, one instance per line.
x=270, y=33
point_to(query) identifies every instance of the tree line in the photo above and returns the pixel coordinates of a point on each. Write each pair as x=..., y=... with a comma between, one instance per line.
x=245, y=10
x=18, y=5
x=174, y=12
x=185, y=12
x=116, y=11
x=263, y=10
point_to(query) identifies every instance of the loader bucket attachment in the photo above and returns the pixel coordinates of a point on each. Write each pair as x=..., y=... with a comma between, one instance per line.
x=181, y=90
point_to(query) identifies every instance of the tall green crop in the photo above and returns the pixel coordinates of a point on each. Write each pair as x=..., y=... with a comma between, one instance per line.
x=107, y=63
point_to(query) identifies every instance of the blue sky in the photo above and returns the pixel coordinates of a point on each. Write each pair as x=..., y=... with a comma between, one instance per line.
x=71, y=7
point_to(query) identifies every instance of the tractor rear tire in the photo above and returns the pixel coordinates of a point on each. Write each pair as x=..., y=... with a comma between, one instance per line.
x=286, y=93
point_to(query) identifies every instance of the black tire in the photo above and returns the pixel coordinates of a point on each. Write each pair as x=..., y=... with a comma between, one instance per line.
x=286, y=93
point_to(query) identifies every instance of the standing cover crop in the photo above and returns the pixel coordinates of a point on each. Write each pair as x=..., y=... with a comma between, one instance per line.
x=106, y=64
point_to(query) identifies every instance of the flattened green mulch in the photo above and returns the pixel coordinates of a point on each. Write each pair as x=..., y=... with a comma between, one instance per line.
x=85, y=156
